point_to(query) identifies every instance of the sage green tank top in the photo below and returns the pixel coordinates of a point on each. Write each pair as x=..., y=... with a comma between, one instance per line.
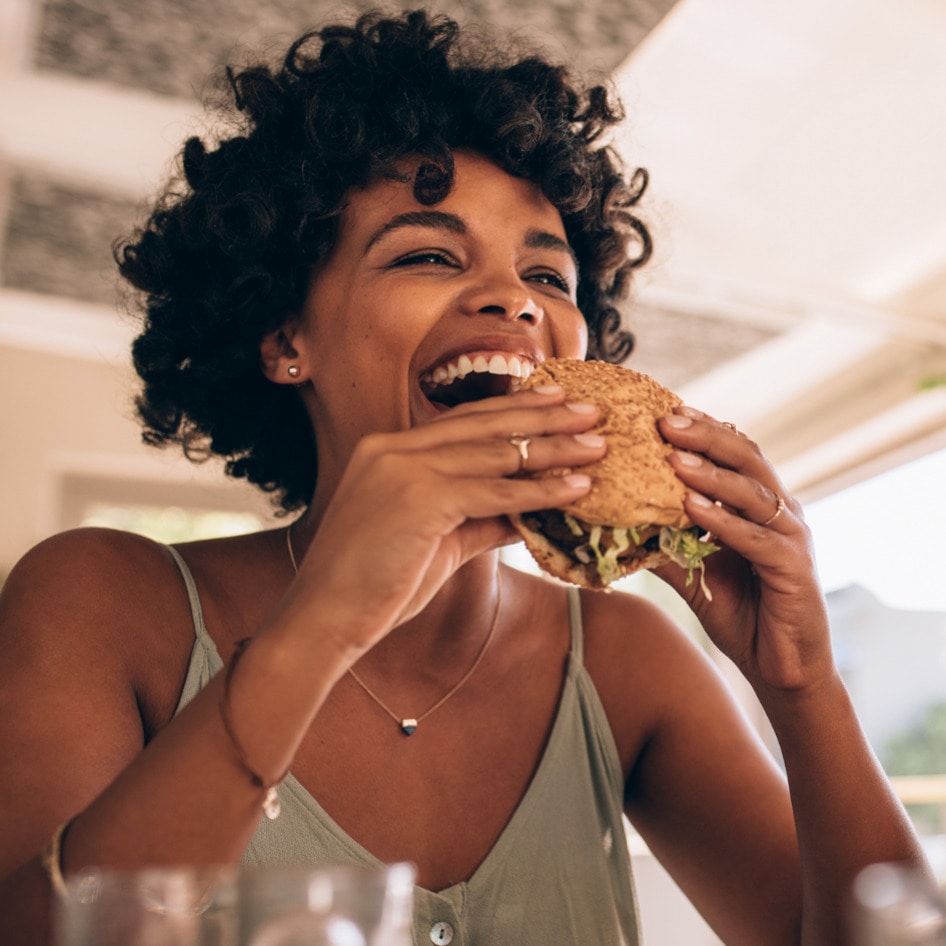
x=558, y=875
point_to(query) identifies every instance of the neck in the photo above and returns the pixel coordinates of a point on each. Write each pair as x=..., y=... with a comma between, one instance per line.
x=446, y=638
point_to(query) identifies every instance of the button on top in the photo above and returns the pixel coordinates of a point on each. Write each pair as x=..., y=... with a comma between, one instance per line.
x=441, y=934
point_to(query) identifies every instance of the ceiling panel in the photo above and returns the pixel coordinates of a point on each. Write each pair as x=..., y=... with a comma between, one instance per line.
x=171, y=46
x=59, y=237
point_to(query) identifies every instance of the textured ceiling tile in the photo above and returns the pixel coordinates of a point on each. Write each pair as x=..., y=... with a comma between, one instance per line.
x=59, y=239
x=171, y=46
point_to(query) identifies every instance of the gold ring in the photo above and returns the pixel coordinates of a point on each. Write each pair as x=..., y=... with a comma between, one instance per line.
x=521, y=443
x=779, y=506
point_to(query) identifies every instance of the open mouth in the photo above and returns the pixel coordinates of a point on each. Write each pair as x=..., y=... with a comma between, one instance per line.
x=473, y=377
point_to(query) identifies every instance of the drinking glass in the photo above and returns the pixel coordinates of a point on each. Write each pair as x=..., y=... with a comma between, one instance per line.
x=154, y=907
x=896, y=906
x=326, y=906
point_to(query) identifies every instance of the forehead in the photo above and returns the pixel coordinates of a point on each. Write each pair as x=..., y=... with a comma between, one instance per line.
x=482, y=194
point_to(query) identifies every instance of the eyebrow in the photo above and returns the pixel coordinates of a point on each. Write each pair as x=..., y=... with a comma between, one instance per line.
x=431, y=219
x=543, y=240
x=451, y=223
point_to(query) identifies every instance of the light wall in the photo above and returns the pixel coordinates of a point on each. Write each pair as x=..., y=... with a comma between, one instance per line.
x=65, y=421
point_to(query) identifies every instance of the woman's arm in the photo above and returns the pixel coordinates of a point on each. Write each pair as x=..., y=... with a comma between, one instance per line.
x=702, y=789
x=802, y=846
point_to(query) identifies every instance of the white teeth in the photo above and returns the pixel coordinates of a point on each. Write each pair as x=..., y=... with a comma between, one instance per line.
x=510, y=365
x=497, y=365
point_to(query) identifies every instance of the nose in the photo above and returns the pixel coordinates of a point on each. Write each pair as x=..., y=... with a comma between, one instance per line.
x=505, y=296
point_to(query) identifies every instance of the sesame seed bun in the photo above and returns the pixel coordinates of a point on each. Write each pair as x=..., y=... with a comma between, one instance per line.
x=633, y=485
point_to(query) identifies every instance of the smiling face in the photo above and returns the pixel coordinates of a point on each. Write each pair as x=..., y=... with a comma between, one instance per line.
x=419, y=308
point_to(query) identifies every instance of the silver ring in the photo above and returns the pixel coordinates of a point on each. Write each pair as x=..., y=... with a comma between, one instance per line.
x=521, y=443
x=779, y=506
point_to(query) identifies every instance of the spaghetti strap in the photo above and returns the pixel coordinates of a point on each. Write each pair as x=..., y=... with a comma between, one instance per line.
x=574, y=621
x=197, y=615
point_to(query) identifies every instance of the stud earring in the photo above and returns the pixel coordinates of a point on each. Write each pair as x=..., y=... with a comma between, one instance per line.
x=293, y=371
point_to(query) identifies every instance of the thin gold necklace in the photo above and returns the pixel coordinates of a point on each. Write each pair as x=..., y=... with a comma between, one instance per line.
x=408, y=725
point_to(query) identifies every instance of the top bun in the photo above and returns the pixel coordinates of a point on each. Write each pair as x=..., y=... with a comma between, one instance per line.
x=632, y=483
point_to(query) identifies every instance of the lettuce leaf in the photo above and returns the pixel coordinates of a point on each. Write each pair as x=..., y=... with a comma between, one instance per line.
x=688, y=548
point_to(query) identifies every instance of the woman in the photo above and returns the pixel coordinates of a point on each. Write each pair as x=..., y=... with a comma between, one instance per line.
x=394, y=205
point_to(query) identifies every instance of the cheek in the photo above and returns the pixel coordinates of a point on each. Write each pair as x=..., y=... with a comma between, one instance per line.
x=396, y=313
x=570, y=335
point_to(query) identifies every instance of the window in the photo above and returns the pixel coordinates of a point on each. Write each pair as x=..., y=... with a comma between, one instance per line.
x=881, y=548
x=166, y=511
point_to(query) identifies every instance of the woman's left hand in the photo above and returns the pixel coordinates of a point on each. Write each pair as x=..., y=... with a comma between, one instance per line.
x=767, y=612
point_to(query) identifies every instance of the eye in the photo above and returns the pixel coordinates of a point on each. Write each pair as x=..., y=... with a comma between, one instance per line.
x=554, y=279
x=425, y=258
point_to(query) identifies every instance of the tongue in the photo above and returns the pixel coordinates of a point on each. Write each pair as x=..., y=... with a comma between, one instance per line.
x=474, y=387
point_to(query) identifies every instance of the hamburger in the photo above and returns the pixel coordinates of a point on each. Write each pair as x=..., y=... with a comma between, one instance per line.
x=633, y=517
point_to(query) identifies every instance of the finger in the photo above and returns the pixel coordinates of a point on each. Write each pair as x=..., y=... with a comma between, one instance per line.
x=437, y=505
x=752, y=499
x=721, y=442
x=766, y=547
x=484, y=535
x=481, y=498
x=531, y=418
x=515, y=454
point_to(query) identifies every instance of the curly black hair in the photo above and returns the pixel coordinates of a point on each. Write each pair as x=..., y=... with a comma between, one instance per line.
x=226, y=256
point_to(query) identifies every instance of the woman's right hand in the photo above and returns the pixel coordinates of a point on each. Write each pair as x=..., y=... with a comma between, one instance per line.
x=415, y=505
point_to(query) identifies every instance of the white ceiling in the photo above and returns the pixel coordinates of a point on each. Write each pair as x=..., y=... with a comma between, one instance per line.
x=798, y=157
x=796, y=153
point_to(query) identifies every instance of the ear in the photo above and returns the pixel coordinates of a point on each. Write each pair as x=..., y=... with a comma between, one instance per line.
x=282, y=363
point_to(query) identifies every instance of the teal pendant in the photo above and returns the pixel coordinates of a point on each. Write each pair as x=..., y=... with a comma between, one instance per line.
x=408, y=726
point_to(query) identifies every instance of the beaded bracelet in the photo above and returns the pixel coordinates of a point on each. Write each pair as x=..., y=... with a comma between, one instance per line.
x=51, y=861
x=271, y=806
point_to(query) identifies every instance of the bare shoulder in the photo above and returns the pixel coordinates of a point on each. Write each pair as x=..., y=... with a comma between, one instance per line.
x=86, y=551
x=92, y=652
x=85, y=574
x=100, y=599
x=646, y=668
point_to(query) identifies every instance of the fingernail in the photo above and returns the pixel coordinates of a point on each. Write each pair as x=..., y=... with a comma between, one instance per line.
x=687, y=459
x=590, y=440
x=691, y=411
x=547, y=389
x=677, y=420
x=577, y=480
x=580, y=408
x=698, y=499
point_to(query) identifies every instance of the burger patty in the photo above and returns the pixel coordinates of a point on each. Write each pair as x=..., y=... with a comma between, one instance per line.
x=553, y=525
